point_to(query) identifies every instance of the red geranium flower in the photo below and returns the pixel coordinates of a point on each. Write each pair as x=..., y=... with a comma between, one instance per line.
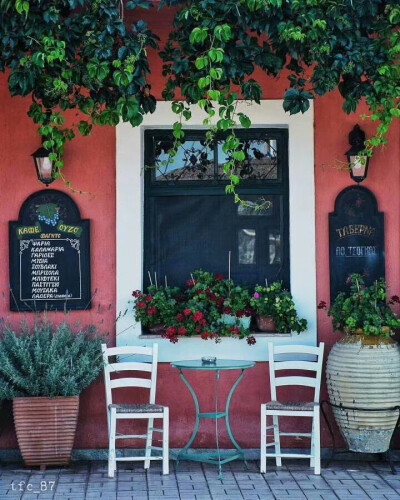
x=205, y=335
x=187, y=312
x=141, y=305
x=235, y=330
x=182, y=330
x=148, y=298
x=219, y=277
x=151, y=311
x=191, y=283
x=171, y=331
x=197, y=317
x=180, y=318
x=227, y=310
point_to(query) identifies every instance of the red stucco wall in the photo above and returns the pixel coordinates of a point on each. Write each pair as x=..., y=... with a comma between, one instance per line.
x=90, y=166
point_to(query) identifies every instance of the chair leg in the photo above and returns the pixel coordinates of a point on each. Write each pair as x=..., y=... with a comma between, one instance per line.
x=149, y=442
x=165, y=461
x=277, y=439
x=317, y=442
x=112, y=463
x=312, y=450
x=263, y=444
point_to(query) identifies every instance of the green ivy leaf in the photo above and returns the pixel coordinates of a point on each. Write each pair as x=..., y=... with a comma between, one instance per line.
x=244, y=120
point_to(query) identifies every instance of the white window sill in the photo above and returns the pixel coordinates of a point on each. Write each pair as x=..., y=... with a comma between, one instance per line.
x=149, y=336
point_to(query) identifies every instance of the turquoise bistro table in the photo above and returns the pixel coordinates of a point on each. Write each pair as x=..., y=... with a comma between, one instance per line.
x=220, y=365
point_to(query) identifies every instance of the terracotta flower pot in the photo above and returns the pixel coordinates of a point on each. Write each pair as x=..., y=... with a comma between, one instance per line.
x=266, y=323
x=46, y=428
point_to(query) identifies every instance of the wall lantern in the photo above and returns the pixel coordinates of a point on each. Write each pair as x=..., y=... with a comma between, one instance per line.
x=44, y=166
x=358, y=164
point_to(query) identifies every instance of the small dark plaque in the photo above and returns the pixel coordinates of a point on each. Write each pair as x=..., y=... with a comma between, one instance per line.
x=49, y=255
x=356, y=235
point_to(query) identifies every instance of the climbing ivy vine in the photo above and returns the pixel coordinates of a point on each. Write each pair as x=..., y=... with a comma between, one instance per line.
x=91, y=55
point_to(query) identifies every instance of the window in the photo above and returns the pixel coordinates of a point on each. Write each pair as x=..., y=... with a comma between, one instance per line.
x=189, y=221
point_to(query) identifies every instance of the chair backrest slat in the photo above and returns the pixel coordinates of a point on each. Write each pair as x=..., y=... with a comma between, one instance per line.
x=297, y=349
x=125, y=353
x=305, y=381
x=129, y=350
x=130, y=382
x=129, y=366
x=304, y=353
x=295, y=365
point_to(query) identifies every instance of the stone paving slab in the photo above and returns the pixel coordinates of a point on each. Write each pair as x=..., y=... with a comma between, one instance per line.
x=193, y=481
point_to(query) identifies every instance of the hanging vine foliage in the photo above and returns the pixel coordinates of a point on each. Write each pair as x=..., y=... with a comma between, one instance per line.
x=81, y=54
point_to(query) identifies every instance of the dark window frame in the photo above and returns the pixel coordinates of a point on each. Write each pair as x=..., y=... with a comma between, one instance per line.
x=154, y=188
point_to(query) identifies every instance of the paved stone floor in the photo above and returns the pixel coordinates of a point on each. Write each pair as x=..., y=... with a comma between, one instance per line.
x=191, y=481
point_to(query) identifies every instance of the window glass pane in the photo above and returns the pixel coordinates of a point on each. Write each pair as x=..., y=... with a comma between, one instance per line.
x=261, y=160
x=193, y=161
x=186, y=233
x=274, y=247
x=247, y=246
x=197, y=227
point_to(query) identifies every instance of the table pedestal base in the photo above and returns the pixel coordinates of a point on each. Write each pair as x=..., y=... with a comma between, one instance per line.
x=218, y=457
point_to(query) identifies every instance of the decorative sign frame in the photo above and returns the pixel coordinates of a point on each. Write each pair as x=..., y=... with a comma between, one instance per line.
x=356, y=238
x=49, y=255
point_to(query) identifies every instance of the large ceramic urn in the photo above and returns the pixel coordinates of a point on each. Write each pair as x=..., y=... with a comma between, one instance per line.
x=364, y=372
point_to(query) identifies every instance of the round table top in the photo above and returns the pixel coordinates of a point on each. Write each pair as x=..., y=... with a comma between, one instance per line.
x=220, y=364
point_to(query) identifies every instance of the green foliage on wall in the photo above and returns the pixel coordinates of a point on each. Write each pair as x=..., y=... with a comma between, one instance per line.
x=80, y=54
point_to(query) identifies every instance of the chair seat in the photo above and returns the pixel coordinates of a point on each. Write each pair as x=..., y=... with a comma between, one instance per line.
x=291, y=406
x=137, y=408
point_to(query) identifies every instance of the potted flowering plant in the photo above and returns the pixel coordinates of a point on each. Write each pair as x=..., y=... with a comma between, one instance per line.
x=363, y=368
x=276, y=310
x=208, y=298
x=191, y=322
x=364, y=310
x=232, y=301
x=236, y=308
x=157, y=308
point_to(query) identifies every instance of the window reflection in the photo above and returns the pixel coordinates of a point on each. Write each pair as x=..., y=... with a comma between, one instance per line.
x=193, y=161
x=261, y=160
x=274, y=247
x=247, y=246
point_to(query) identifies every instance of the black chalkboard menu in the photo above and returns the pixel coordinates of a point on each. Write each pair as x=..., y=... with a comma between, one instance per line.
x=49, y=255
x=356, y=234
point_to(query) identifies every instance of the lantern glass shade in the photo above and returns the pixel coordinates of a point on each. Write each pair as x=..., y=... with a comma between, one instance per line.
x=358, y=167
x=358, y=164
x=44, y=166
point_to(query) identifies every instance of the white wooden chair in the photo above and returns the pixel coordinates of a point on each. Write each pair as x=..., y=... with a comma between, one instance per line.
x=149, y=411
x=276, y=408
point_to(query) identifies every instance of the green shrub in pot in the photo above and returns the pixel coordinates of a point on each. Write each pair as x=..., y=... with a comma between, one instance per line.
x=43, y=369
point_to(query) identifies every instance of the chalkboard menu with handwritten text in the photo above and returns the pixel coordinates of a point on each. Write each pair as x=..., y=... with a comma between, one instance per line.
x=49, y=255
x=357, y=238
